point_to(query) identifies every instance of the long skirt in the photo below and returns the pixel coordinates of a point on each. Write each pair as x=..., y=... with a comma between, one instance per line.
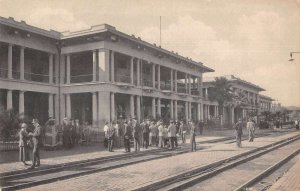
x=23, y=154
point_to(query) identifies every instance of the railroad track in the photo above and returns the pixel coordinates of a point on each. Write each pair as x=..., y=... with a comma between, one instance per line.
x=24, y=178
x=198, y=175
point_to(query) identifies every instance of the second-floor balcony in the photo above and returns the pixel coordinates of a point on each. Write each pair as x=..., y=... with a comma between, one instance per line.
x=81, y=78
x=123, y=78
x=165, y=85
x=195, y=92
x=147, y=82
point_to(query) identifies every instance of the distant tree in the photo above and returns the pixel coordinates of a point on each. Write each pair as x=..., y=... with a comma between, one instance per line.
x=221, y=92
x=9, y=123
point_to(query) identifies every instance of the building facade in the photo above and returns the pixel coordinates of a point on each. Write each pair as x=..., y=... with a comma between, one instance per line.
x=95, y=75
x=247, y=100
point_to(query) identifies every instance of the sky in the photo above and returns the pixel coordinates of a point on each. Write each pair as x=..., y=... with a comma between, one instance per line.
x=250, y=39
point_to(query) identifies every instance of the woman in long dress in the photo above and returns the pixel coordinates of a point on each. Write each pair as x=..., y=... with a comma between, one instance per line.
x=23, y=146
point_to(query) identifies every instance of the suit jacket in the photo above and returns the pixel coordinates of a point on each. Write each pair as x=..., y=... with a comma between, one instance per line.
x=36, y=135
x=23, y=138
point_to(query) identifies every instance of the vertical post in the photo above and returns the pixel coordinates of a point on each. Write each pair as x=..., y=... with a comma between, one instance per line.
x=175, y=80
x=232, y=115
x=198, y=111
x=175, y=110
x=201, y=111
x=21, y=102
x=171, y=75
x=103, y=108
x=56, y=70
x=22, y=71
x=95, y=106
x=138, y=72
x=208, y=111
x=112, y=106
x=171, y=109
x=158, y=77
x=138, y=108
x=9, y=61
x=159, y=107
x=56, y=108
x=68, y=69
x=153, y=108
x=186, y=83
x=112, y=66
x=190, y=110
x=94, y=65
x=50, y=105
x=9, y=100
x=187, y=110
x=131, y=71
x=131, y=105
x=153, y=75
x=62, y=70
x=51, y=69
x=68, y=106
x=103, y=65
x=189, y=84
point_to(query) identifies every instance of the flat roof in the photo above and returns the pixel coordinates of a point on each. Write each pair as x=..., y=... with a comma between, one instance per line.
x=22, y=25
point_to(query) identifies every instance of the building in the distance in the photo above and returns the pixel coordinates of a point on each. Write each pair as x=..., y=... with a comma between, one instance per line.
x=247, y=100
x=94, y=75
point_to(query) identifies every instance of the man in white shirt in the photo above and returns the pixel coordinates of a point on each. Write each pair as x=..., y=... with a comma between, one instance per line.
x=251, y=129
x=105, y=129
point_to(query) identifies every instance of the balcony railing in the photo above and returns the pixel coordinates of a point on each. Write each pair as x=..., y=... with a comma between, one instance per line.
x=181, y=90
x=36, y=77
x=3, y=73
x=147, y=82
x=16, y=74
x=195, y=92
x=81, y=78
x=123, y=79
x=165, y=85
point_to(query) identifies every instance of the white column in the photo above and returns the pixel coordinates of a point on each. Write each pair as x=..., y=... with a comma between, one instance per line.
x=138, y=72
x=190, y=110
x=189, y=84
x=51, y=69
x=68, y=106
x=9, y=100
x=206, y=93
x=9, y=61
x=22, y=63
x=56, y=70
x=232, y=115
x=158, y=107
x=131, y=105
x=103, y=108
x=62, y=70
x=112, y=106
x=171, y=109
x=171, y=74
x=186, y=83
x=158, y=77
x=138, y=108
x=21, y=102
x=175, y=110
x=187, y=110
x=198, y=111
x=94, y=65
x=153, y=108
x=131, y=71
x=68, y=69
x=103, y=65
x=175, y=74
x=50, y=105
x=112, y=65
x=56, y=108
x=95, y=106
x=153, y=75
x=208, y=111
x=201, y=111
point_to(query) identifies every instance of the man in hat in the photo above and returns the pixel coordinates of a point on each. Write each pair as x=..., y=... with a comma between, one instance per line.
x=193, y=136
x=171, y=134
x=24, y=150
x=35, y=138
x=251, y=129
x=238, y=132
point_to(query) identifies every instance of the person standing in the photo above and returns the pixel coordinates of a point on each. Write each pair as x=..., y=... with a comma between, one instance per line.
x=161, y=129
x=238, y=132
x=177, y=124
x=193, y=136
x=200, y=126
x=251, y=129
x=105, y=129
x=171, y=134
x=23, y=146
x=182, y=129
x=136, y=135
x=110, y=137
x=152, y=133
x=127, y=136
x=35, y=138
x=145, y=130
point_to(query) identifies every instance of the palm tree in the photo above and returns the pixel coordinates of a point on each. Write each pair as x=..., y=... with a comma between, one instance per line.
x=221, y=92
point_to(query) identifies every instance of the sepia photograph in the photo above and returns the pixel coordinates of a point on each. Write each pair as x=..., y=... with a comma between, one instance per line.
x=140, y=95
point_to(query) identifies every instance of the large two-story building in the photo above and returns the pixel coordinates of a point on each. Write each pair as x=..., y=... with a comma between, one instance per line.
x=94, y=75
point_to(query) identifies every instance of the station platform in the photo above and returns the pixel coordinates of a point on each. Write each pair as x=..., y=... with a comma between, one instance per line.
x=290, y=181
x=9, y=160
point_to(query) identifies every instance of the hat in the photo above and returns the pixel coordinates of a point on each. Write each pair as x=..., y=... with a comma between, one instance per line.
x=35, y=120
x=23, y=125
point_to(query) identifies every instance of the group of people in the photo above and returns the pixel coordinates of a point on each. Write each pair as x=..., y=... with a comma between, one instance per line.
x=238, y=127
x=149, y=133
x=30, y=141
x=73, y=133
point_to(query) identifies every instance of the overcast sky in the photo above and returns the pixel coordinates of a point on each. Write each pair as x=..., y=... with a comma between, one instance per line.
x=250, y=39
